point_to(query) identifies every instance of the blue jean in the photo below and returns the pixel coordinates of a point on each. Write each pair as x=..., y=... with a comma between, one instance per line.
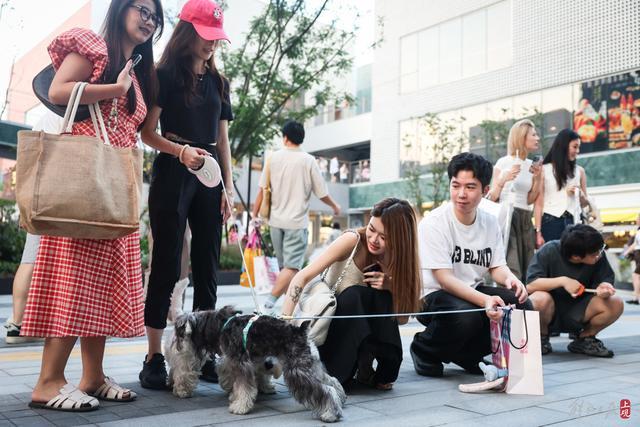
x=552, y=226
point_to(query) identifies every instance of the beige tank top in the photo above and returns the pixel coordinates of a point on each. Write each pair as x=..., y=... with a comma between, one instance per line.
x=343, y=274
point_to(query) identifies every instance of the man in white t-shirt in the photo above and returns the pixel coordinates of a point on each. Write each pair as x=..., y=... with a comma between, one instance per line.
x=294, y=175
x=459, y=244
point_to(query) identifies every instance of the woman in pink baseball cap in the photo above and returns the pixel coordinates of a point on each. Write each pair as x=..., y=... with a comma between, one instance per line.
x=194, y=110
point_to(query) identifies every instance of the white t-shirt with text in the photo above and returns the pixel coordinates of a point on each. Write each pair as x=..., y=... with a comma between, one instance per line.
x=469, y=250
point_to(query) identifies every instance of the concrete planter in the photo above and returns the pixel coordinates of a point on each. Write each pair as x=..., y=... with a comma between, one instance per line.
x=229, y=277
x=6, y=284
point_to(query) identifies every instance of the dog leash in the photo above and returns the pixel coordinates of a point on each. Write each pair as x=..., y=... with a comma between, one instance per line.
x=364, y=316
x=244, y=262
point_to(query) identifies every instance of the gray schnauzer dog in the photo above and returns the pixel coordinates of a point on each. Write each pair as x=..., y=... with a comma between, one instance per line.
x=194, y=340
x=253, y=349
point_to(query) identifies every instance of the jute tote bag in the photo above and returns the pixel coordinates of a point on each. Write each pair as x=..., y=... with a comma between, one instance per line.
x=76, y=185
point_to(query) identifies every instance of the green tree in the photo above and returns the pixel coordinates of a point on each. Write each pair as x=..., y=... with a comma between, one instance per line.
x=440, y=140
x=290, y=53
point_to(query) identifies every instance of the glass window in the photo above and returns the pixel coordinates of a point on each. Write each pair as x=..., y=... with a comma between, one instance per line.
x=499, y=110
x=409, y=146
x=428, y=57
x=409, y=63
x=557, y=98
x=526, y=105
x=474, y=43
x=499, y=35
x=473, y=117
x=450, y=52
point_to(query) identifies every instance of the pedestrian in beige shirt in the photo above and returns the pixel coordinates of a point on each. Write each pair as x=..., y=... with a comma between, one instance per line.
x=294, y=175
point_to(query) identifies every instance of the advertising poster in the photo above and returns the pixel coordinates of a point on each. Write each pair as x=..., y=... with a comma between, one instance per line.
x=608, y=113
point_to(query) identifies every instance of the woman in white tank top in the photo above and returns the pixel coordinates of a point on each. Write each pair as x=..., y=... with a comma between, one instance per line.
x=517, y=182
x=564, y=183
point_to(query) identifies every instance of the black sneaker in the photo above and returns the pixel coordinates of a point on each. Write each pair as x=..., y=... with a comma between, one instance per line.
x=154, y=373
x=471, y=368
x=633, y=301
x=209, y=373
x=545, y=344
x=591, y=346
x=427, y=368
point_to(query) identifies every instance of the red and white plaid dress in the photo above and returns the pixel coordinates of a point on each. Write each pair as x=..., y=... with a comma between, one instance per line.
x=82, y=287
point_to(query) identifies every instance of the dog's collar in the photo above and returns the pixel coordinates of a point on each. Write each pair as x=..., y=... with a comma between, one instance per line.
x=229, y=320
x=245, y=331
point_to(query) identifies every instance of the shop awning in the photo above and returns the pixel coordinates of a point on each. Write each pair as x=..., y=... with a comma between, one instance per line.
x=617, y=215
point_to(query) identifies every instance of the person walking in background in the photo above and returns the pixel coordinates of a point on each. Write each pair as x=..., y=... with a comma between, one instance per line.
x=516, y=183
x=633, y=251
x=382, y=277
x=194, y=110
x=294, y=176
x=93, y=288
x=50, y=123
x=563, y=188
x=344, y=173
x=20, y=290
x=334, y=169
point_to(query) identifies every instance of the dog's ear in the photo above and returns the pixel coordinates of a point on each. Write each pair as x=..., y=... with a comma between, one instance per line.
x=228, y=311
x=182, y=328
x=182, y=325
x=304, y=327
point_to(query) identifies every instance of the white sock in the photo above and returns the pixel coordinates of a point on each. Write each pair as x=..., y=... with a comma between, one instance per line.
x=270, y=302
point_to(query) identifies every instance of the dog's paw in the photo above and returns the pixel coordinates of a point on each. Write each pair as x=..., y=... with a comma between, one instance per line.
x=267, y=388
x=239, y=407
x=330, y=417
x=182, y=393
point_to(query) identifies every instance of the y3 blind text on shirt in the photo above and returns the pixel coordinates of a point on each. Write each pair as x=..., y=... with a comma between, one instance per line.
x=481, y=257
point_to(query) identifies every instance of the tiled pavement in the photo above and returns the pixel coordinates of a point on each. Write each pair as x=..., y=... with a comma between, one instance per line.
x=578, y=390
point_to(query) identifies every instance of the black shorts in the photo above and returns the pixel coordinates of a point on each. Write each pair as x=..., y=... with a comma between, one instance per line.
x=569, y=312
x=636, y=259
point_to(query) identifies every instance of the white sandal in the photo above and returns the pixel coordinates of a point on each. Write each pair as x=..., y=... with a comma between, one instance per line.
x=70, y=399
x=113, y=392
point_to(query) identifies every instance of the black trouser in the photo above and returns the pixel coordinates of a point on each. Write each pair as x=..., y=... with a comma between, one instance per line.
x=461, y=338
x=350, y=339
x=176, y=196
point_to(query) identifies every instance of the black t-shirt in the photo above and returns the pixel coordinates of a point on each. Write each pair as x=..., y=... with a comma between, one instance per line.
x=548, y=262
x=199, y=121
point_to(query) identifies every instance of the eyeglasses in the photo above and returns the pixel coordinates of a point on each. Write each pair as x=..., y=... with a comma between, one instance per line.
x=145, y=15
x=601, y=251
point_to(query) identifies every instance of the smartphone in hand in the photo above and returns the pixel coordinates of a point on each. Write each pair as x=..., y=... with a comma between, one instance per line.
x=371, y=268
x=135, y=60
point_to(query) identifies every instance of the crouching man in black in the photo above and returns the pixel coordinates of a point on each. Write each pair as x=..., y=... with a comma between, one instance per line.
x=570, y=282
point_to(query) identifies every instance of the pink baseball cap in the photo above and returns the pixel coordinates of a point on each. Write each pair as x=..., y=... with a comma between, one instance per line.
x=206, y=17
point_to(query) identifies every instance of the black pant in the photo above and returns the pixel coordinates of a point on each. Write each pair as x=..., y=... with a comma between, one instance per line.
x=349, y=340
x=461, y=338
x=176, y=196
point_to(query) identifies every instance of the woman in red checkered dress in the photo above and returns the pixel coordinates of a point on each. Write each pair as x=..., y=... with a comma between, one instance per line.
x=93, y=288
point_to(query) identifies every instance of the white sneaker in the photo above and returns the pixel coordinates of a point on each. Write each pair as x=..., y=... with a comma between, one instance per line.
x=13, y=335
x=209, y=173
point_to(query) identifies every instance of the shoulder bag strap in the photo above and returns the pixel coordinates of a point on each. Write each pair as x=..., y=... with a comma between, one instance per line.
x=346, y=266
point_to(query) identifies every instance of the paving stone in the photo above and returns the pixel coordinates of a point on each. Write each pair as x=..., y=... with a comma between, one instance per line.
x=589, y=405
x=36, y=421
x=20, y=413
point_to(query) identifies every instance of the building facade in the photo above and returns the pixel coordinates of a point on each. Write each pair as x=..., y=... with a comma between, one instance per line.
x=479, y=65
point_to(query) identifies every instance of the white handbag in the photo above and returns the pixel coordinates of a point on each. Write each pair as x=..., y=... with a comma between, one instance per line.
x=319, y=299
